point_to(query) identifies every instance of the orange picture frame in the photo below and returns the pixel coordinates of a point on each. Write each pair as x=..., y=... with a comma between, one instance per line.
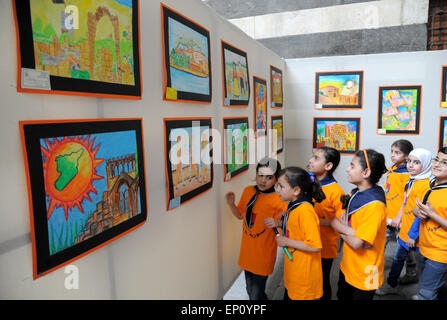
x=86, y=186
x=115, y=81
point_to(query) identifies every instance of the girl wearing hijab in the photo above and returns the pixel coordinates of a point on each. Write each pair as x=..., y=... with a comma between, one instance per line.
x=419, y=167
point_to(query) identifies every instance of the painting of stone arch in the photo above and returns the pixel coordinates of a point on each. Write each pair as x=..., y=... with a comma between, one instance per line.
x=92, y=184
x=83, y=41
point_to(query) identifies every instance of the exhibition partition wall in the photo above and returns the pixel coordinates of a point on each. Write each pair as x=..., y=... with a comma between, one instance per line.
x=150, y=231
x=402, y=96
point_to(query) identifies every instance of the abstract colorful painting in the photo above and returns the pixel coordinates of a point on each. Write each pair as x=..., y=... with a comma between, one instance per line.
x=442, y=132
x=276, y=87
x=260, y=106
x=235, y=76
x=399, y=109
x=342, y=134
x=339, y=90
x=278, y=134
x=444, y=87
x=187, y=58
x=189, y=163
x=235, y=146
x=85, y=47
x=87, y=185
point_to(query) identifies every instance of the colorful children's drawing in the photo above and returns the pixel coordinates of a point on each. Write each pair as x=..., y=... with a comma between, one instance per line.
x=442, y=132
x=278, y=140
x=444, y=87
x=276, y=87
x=399, y=109
x=235, y=76
x=188, y=160
x=235, y=146
x=93, y=183
x=260, y=106
x=339, y=90
x=187, y=57
x=92, y=43
x=342, y=134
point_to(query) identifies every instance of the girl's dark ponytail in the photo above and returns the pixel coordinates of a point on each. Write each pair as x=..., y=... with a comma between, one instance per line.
x=309, y=185
x=317, y=192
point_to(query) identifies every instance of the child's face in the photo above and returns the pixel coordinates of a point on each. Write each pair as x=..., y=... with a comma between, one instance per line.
x=317, y=164
x=285, y=191
x=265, y=178
x=439, y=167
x=397, y=156
x=414, y=165
x=355, y=171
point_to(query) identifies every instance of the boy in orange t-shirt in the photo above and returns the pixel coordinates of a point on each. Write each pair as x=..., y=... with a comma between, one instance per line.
x=258, y=245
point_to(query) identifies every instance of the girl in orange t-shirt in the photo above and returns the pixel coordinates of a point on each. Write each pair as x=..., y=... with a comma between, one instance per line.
x=303, y=277
x=323, y=164
x=258, y=246
x=363, y=229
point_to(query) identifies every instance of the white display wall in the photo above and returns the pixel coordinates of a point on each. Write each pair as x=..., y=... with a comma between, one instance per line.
x=393, y=69
x=187, y=253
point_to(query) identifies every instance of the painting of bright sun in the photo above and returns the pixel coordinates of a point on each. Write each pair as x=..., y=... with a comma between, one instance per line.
x=91, y=185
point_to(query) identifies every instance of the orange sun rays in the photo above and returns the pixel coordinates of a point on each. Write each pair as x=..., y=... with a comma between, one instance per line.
x=81, y=184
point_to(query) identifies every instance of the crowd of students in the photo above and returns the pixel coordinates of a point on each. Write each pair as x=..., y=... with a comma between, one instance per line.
x=308, y=214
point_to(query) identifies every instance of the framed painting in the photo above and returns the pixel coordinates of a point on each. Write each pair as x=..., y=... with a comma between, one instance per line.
x=342, y=134
x=189, y=163
x=187, y=55
x=86, y=186
x=276, y=87
x=339, y=90
x=260, y=106
x=442, y=132
x=235, y=146
x=79, y=47
x=399, y=110
x=444, y=87
x=277, y=137
x=236, y=80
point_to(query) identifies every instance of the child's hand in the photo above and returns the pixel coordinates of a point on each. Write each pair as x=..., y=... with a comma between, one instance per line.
x=270, y=223
x=411, y=243
x=395, y=223
x=230, y=197
x=281, y=241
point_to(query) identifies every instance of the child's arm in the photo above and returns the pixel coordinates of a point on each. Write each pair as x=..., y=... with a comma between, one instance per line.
x=347, y=234
x=413, y=234
x=395, y=223
x=426, y=211
x=299, y=245
x=230, y=197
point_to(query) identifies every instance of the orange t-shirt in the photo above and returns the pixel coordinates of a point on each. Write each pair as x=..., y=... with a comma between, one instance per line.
x=417, y=191
x=258, y=244
x=303, y=276
x=327, y=209
x=363, y=268
x=432, y=237
x=397, y=177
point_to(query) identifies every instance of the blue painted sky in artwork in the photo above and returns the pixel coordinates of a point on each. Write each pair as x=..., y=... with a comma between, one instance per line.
x=127, y=3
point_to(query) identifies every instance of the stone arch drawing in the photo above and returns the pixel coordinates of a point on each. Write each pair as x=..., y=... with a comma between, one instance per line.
x=92, y=21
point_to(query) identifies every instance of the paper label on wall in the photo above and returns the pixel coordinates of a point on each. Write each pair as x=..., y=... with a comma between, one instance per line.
x=228, y=176
x=174, y=203
x=35, y=79
x=226, y=102
x=318, y=106
x=381, y=131
x=171, y=93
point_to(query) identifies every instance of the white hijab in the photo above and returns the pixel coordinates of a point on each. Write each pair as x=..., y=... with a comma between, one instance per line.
x=425, y=157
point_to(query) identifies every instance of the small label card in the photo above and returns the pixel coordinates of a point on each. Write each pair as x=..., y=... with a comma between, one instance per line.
x=35, y=79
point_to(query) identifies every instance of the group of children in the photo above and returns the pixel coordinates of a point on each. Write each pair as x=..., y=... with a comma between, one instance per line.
x=308, y=214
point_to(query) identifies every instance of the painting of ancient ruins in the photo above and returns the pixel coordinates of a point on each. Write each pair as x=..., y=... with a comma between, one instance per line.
x=339, y=90
x=87, y=47
x=92, y=183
